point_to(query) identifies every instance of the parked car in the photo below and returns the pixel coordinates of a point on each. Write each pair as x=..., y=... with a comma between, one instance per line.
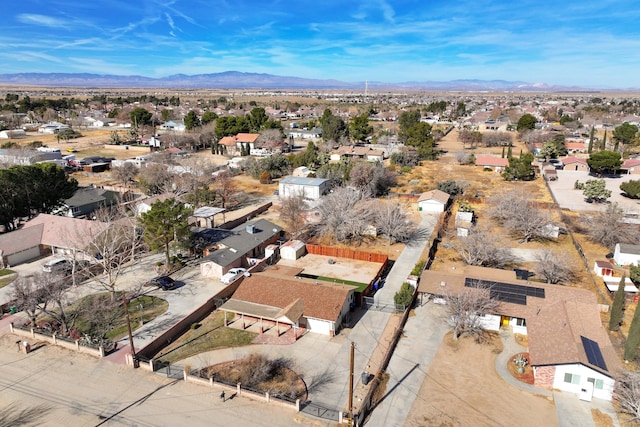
x=232, y=275
x=163, y=282
x=57, y=265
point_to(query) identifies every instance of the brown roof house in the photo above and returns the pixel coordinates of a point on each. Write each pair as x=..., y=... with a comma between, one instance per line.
x=433, y=201
x=569, y=349
x=288, y=302
x=631, y=166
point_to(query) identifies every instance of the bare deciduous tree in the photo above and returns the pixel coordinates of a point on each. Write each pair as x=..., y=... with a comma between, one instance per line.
x=482, y=248
x=101, y=314
x=29, y=296
x=465, y=311
x=125, y=173
x=343, y=215
x=292, y=213
x=113, y=246
x=225, y=188
x=521, y=215
x=393, y=221
x=606, y=227
x=627, y=394
x=155, y=178
x=554, y=267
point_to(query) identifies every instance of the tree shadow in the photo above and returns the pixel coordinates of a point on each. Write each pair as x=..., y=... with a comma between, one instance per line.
x=14, y=415
x=418, y=237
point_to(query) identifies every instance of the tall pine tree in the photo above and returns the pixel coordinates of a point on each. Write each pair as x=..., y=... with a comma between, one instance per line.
x=591, y=139
x=617, y=308
x=633, y=339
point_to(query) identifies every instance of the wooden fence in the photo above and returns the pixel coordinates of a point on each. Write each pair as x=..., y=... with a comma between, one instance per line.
x=346, y=253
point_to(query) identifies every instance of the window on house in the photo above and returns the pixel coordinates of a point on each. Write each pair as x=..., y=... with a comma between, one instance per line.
x=521, y=322
x=597, y=384
x=571, y=378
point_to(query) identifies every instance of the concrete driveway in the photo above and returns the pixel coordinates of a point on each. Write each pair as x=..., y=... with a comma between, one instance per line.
x=572, y=199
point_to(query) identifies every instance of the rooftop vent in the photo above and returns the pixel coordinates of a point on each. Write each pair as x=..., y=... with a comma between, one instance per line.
x=251, y=229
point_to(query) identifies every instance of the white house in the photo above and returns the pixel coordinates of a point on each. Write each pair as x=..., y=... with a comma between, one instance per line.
x=626, y=254
x=569, y=349
x=433, y=201
x=310, y=188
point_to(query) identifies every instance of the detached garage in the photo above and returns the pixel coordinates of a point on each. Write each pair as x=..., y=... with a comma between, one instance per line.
x=433, y=201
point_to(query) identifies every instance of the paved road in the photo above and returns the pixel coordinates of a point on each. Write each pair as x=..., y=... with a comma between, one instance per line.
x=77, y=390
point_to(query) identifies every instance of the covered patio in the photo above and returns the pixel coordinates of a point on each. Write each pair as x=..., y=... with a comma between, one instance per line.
x=264, y=319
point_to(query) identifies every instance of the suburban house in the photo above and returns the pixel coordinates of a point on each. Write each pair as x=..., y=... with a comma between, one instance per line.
x=631, y=166
x=575, y=147
x=569, y=349
x=234, y=144
x=173, y=126
x=497, y=126
x=433, y=201
x=310, y=188
x=280, y=301
x=626, y=254
x=575, y=164
x=13, y=133
x=86, y=200
x=241, y=247
x=496, y=164
x=357, y=152
x=46, y=235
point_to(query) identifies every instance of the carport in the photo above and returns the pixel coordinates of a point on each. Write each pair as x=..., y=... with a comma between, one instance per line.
x=265, y=316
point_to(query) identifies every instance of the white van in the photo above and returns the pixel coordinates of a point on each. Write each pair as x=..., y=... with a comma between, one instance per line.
x=56, y=265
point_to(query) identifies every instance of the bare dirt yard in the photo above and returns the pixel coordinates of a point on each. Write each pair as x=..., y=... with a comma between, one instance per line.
x=465, y=390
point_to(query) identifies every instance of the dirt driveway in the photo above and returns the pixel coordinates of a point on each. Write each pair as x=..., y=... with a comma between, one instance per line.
x=463, y=389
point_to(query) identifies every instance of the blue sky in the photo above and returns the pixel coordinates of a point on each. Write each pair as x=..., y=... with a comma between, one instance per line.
x=586, y=43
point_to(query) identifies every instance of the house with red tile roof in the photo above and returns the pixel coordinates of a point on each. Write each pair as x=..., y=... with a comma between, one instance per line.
x=290, y=302
x=630, y=166
x=575, y=164
x=497, y=164
x=569, y=349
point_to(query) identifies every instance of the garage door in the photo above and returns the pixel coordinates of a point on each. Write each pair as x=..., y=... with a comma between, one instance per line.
x=23, y=256
x=319, y=326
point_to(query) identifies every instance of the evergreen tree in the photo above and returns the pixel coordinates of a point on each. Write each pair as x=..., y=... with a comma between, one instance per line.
x=633, y=339
x=503, y=147
x=591, y=139
x=509, y=153
x=603, y=146
x=617, y=308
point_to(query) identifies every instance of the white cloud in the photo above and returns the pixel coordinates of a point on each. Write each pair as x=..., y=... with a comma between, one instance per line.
x=42, y=20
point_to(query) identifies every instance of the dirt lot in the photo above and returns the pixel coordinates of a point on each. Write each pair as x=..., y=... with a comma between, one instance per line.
x=466, y=391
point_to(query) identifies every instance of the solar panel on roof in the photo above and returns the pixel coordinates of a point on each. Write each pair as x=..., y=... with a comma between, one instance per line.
x=506, y=292
x=594, y=355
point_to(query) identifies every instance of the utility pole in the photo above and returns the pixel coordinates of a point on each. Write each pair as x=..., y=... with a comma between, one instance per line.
x=351, y=384
x=126, y=312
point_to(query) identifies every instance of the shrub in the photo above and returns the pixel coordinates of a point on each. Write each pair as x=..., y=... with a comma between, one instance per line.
x=265, y=177
x=450, y=187
x=404, y=296
x=418, y=268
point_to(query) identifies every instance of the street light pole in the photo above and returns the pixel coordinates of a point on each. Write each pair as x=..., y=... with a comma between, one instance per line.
x=126, y=312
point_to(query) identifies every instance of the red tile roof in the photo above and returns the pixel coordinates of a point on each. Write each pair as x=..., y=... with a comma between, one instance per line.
x=486, y=160
x=569, y=160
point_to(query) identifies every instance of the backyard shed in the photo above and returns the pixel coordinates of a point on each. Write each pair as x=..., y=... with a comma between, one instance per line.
x=293, y=250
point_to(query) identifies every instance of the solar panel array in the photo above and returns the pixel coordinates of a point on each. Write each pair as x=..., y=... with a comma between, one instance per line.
x=594, y=355
x=506, y=292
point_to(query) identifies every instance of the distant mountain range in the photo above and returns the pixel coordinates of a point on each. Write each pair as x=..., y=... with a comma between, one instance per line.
x=241, y=80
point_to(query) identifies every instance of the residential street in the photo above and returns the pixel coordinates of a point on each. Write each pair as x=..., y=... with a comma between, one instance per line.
x=78, y=390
